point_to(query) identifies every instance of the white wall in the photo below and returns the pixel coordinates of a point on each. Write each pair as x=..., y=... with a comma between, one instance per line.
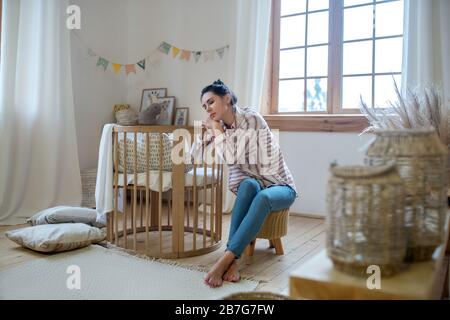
x=104, y=30
x=309, y=154
x=126, y=31
x=194, y=24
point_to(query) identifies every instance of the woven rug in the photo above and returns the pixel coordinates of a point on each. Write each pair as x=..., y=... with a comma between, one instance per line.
x=94, y=273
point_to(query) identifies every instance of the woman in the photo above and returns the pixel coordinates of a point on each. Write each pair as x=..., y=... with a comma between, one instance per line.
x=260, y=187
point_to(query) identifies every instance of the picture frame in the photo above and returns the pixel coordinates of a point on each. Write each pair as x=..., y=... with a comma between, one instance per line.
x=147, y=93
x=165, y=117
x=181, y=116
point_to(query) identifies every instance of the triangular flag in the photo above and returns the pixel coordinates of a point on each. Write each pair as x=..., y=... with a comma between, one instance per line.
x=208, y=55
x=141, y=64
x=130, y=68
x=164, y=47
x=102, y=62
x=116, y=67
x=185, y=54
x=220, y=52
x=155, y=57
x=197, y=55
x=175, y=51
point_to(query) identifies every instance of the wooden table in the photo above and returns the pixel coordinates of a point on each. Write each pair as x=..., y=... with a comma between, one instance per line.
x=317, y=279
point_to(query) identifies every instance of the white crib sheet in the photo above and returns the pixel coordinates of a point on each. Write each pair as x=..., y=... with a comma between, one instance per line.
x=167, y=178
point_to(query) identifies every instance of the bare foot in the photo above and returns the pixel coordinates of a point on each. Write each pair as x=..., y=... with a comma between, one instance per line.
x=232, y=274
x=214, y=276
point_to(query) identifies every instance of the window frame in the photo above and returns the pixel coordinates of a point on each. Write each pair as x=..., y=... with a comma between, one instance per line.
x=335, y=118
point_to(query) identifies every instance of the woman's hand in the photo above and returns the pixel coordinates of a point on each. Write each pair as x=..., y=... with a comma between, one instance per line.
x=215, y=127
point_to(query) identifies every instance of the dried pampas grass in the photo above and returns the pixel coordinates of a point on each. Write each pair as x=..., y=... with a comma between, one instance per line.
x=420, y=108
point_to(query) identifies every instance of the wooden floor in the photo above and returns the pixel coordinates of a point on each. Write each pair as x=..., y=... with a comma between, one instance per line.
x=305, y=238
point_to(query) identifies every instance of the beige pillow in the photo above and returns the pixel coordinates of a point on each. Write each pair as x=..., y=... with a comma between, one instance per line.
x=57, y=237
x=66, y=214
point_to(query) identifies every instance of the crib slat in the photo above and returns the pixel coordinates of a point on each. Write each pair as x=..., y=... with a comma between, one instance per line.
x=194, y=234
x=188, y=205
x=216, y=211
x=204, y=204
x=133, y=220
x=125, y=183
x=169, y=209
x=178, y=179
x=140, y=207
x=116, y=186
x=147, y=166
x=160, y=192
x=219, y=204
x=212, y=205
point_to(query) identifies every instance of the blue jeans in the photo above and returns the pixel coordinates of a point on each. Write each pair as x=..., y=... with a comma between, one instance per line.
x=251, y=208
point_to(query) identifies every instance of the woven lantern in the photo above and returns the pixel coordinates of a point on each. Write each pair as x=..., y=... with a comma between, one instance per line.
x=421, y=159
x=365, y=219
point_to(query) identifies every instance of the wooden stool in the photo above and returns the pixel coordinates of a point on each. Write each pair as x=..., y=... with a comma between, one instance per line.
x=274, y=227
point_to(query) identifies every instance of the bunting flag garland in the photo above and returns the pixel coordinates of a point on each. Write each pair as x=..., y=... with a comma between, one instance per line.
x=175, y=51
x=91, y=53
x=164, y=47
x=141, y=64
x=130, y=68
x=155, y=56
x=220, y=52
x=197, y=55
x=208, y=55
x=185, y=55
x=116, y=67
x=102, y=62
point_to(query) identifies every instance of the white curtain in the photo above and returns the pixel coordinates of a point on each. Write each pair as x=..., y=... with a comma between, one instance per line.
x=38, y=150
x=248, y=60
x=426, y=54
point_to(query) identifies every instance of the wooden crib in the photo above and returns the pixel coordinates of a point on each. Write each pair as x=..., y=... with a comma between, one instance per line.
x=163, y=213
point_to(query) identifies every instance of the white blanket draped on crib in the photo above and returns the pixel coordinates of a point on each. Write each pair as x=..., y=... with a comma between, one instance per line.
x=104, y=195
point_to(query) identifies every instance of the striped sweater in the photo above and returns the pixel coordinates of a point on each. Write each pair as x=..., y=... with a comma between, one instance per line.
x=250, y=150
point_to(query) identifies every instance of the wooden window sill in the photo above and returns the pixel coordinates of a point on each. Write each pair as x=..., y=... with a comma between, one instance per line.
x=317, y=122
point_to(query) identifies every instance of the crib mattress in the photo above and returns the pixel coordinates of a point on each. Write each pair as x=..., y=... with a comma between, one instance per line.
x=167, y=178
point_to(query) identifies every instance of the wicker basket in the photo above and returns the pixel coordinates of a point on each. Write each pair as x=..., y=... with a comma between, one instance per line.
x=365, y=220
x=88, y=181
x=421, y=160
x=126, y=117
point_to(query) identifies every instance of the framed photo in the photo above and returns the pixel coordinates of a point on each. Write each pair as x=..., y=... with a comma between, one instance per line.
x=165, y=116
x=181, y=116
x=148, y=93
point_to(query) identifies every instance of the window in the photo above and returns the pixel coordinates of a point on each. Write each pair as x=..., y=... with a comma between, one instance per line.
x=328, y=53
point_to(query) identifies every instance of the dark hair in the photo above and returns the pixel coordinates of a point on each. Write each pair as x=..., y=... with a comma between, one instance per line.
x=221, y=89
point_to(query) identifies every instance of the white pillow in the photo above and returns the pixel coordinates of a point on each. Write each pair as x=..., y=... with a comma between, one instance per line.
x=57, y=237
x=66, y=214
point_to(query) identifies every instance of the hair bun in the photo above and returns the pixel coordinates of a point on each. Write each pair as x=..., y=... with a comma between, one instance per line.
x=218, y=82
